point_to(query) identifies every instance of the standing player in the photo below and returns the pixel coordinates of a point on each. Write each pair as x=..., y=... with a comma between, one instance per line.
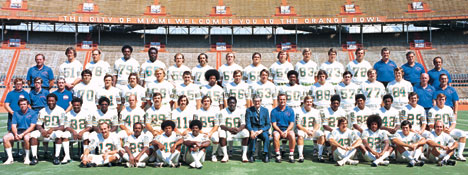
x=306, y=68
x=199, y=71
x=389, y=115
x=129, y=116
x=295, y=93
x=399, y=89
x=226, y=70
x=156, y=115
x=168, y=145
x=282, y=119
x=333, y=68
x=347, y=91
x=442, y=145
x=64, y=95
x=182, y=116
x=373, y=90
x=175, y=72
x=376, y=145
x=136, y=147
x=358, y=116
x=344, y=143
x=213, y=90
x=239, y=90
x=266, y=90
x=416, y=115
x=384, y=68
x=133, y=88
x=108, y=144
x=160, y=85
x=124, y=66
x=77, y=127
x=197, y=143
x=110, y=92
x=190, y=90
x=252, y=72
x=408, y=145
x=322, y=90
x=210, y=119
x=70, y=69
x=104, y=115
x=280, y=68
x=308, y=128
x=86, y=91
x=359, y=67
x=99, y=68
x=149, y=67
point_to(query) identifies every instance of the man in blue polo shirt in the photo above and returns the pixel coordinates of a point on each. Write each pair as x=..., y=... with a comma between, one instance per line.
x=23, y=123
x=282, y=119
x=412, y=69
x=435, y=73
x=40, y=70
x=11, y=101
x=449, y=91
x=38, y=95
x=385, y=68
x=425, y=92
x=64, y=96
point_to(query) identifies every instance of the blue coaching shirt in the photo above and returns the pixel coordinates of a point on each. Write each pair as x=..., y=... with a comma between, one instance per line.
x=38, y=99
x=385, y=70
x=425, y=95
x=14, y=96
x=412, y=74
x=451, y=94
x=282, y=118
x=45, y=73
x=434, y=77
x=64, y=98
x=23, y=121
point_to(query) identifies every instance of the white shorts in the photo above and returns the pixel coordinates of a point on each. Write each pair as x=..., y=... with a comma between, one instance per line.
x=55, y=134
x=98, y=160
x=369, y=157
x=126, y=158
x=339, y=154
x=400, y=158
x=457, y=134
x=214, y=136
x=69, y=135
x=316, y=135
x=189, y=158
x=226, y=134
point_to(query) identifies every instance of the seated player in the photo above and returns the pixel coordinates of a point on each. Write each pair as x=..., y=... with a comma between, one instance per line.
x=282, y=119
x=232, y=125
x=136, y=147
x=168, y=145
x=308, y=128
x=129, y=116
x=196, y=143
x=154, y=116
x=77, y=127
x=209, y=116
x=329, y=118
x=442, y=146
x=344, y=143
x=103, y=114
x=108, y=144
x=182, y=115
x=375, y=143
x=49, y=126
x=359, y=114
x=408, y=145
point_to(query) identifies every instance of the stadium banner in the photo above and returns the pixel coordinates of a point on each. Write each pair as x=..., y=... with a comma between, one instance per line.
x=221, y=21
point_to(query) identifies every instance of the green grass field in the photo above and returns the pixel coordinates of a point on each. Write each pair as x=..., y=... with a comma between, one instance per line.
x=235, y=166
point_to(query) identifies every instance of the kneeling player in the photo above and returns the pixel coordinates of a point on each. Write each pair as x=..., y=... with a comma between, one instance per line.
x=108, y=144
x=197, y=144
x=344, y=143
x=308, y=125
x=78, y=125
x=232, y=123
x=136, y=147
x=168, y=145
x=375, y=142
x=442, y=145
x=408, y=145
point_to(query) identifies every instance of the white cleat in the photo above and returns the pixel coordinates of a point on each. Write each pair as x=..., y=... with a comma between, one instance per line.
x=26, y=161
x=352, y=162
x=141, y=165
x=214, y=159
x=8, y=162
x=193, y=165
x=225, y=159
x=461, y=158
x=65, y=160
x=199, y=165
x=129, y=165
x=385, y=163
x=340, y=162
x=244, y=158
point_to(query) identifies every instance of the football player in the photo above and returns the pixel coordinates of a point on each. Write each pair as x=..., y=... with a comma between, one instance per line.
x=347, y=90
x=232, y=125
x=333, y=68
x=376, y=145
x=416, y=115
x=322, y=90
x=408, y=145
x=239, y=90
x=160, y=85
x=136, y=147
x=99, y=68
x=103, y=114
x=308, y=128
x=295, y=92
x=359, y=67
x=109, y=145
x=190, y=90
x=306, y=68
x=149, y=67
x=133, y=88
x=266, y=90
x=125, y=65
x=174, y=73
x=373, y=90
x=210, y=119
x=110, y=92
x=280, y=68
x=390, y=116
x=252, y=72
x=129, y=116
x=226, y=70
x=168, y=145
x=70, y=69
x=344, y=143
x=197, y=143
x=213, y=90
x=442, y=145
x=77, y=127
x=199, y=71
x=182, y=116
x=86, y=91
x=399, y=89
x=358, y=116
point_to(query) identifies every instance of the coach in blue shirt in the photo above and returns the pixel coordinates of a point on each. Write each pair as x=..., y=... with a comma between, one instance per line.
x=412, y=69
x=435, y=73
x=257, y=120
x=282, y=118
x=425, y=92
x=449, y=92
x=64, y=96
x=40, y=70
x=11, y=101
x=385, y=68
x=38, y=96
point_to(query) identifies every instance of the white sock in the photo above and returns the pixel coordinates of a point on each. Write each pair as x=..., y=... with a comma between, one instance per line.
x=385, y=155
x=446, y=157
x=407, y=155
x=370, y=155
x=461, y=147
x=224, y=149
x=175, y=157
x=300, y=149
x=143, y=158
x=244, y=151
x=106, y=161
x=278, y=153
x=34, y=150
x=417, y=154
x=66, y=149
x=9, y=153
x=215, y=148
x=320, y=149
x=160, y=156
x=291, y=154
x=26, y=151
x=194, y=155
x=58, y=148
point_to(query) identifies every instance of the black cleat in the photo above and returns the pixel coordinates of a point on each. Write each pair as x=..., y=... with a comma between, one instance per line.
x=82, y=165
x=56, y=161
x=33, y=161
x=251, y=159
x=291, y=159
x=374, y=164
x=301, y=160
x=91, y=165
x=320, y=159
x=278, y=159
x=451, y=162
x=266, y=158
x=420, y=163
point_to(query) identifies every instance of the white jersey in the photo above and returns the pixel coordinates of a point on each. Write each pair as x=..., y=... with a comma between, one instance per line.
x=376, y=140
x=374, y=91
x=307, y=72
x=252, y=73
x=110, y=117
x=129, y=116
x=346, y=138
x=240, y=91
x=70, y=70
x=148, y=68
x=199, y=138
x=113, y=94
x=330, y=117
x=359, y=116
x=87, y=92
x=390, y=118
x=322, y=93
x=192, y=91
x=138, y=91
x=294, y=94
x=400, y=91
x=99, y=70
x=334, y=71
x=77, y=121
x=445, y=115
x=267, y=92
x=209, y=118
x=411, y=138
x=175, y=74
x=216, y=93
x=167, y=141
x=198, y=74
x=308, y=118
x=227, y=72
x=347, y=93
x=443, y=139
x=155, y=117
x=136, y=144
x=359, y=70
x=182, y=118
x=234, y=118
x=165, y=88
x=123, y=68
x=415, y=115
x=279, y=72
x=51, y=118
x=110, y=143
